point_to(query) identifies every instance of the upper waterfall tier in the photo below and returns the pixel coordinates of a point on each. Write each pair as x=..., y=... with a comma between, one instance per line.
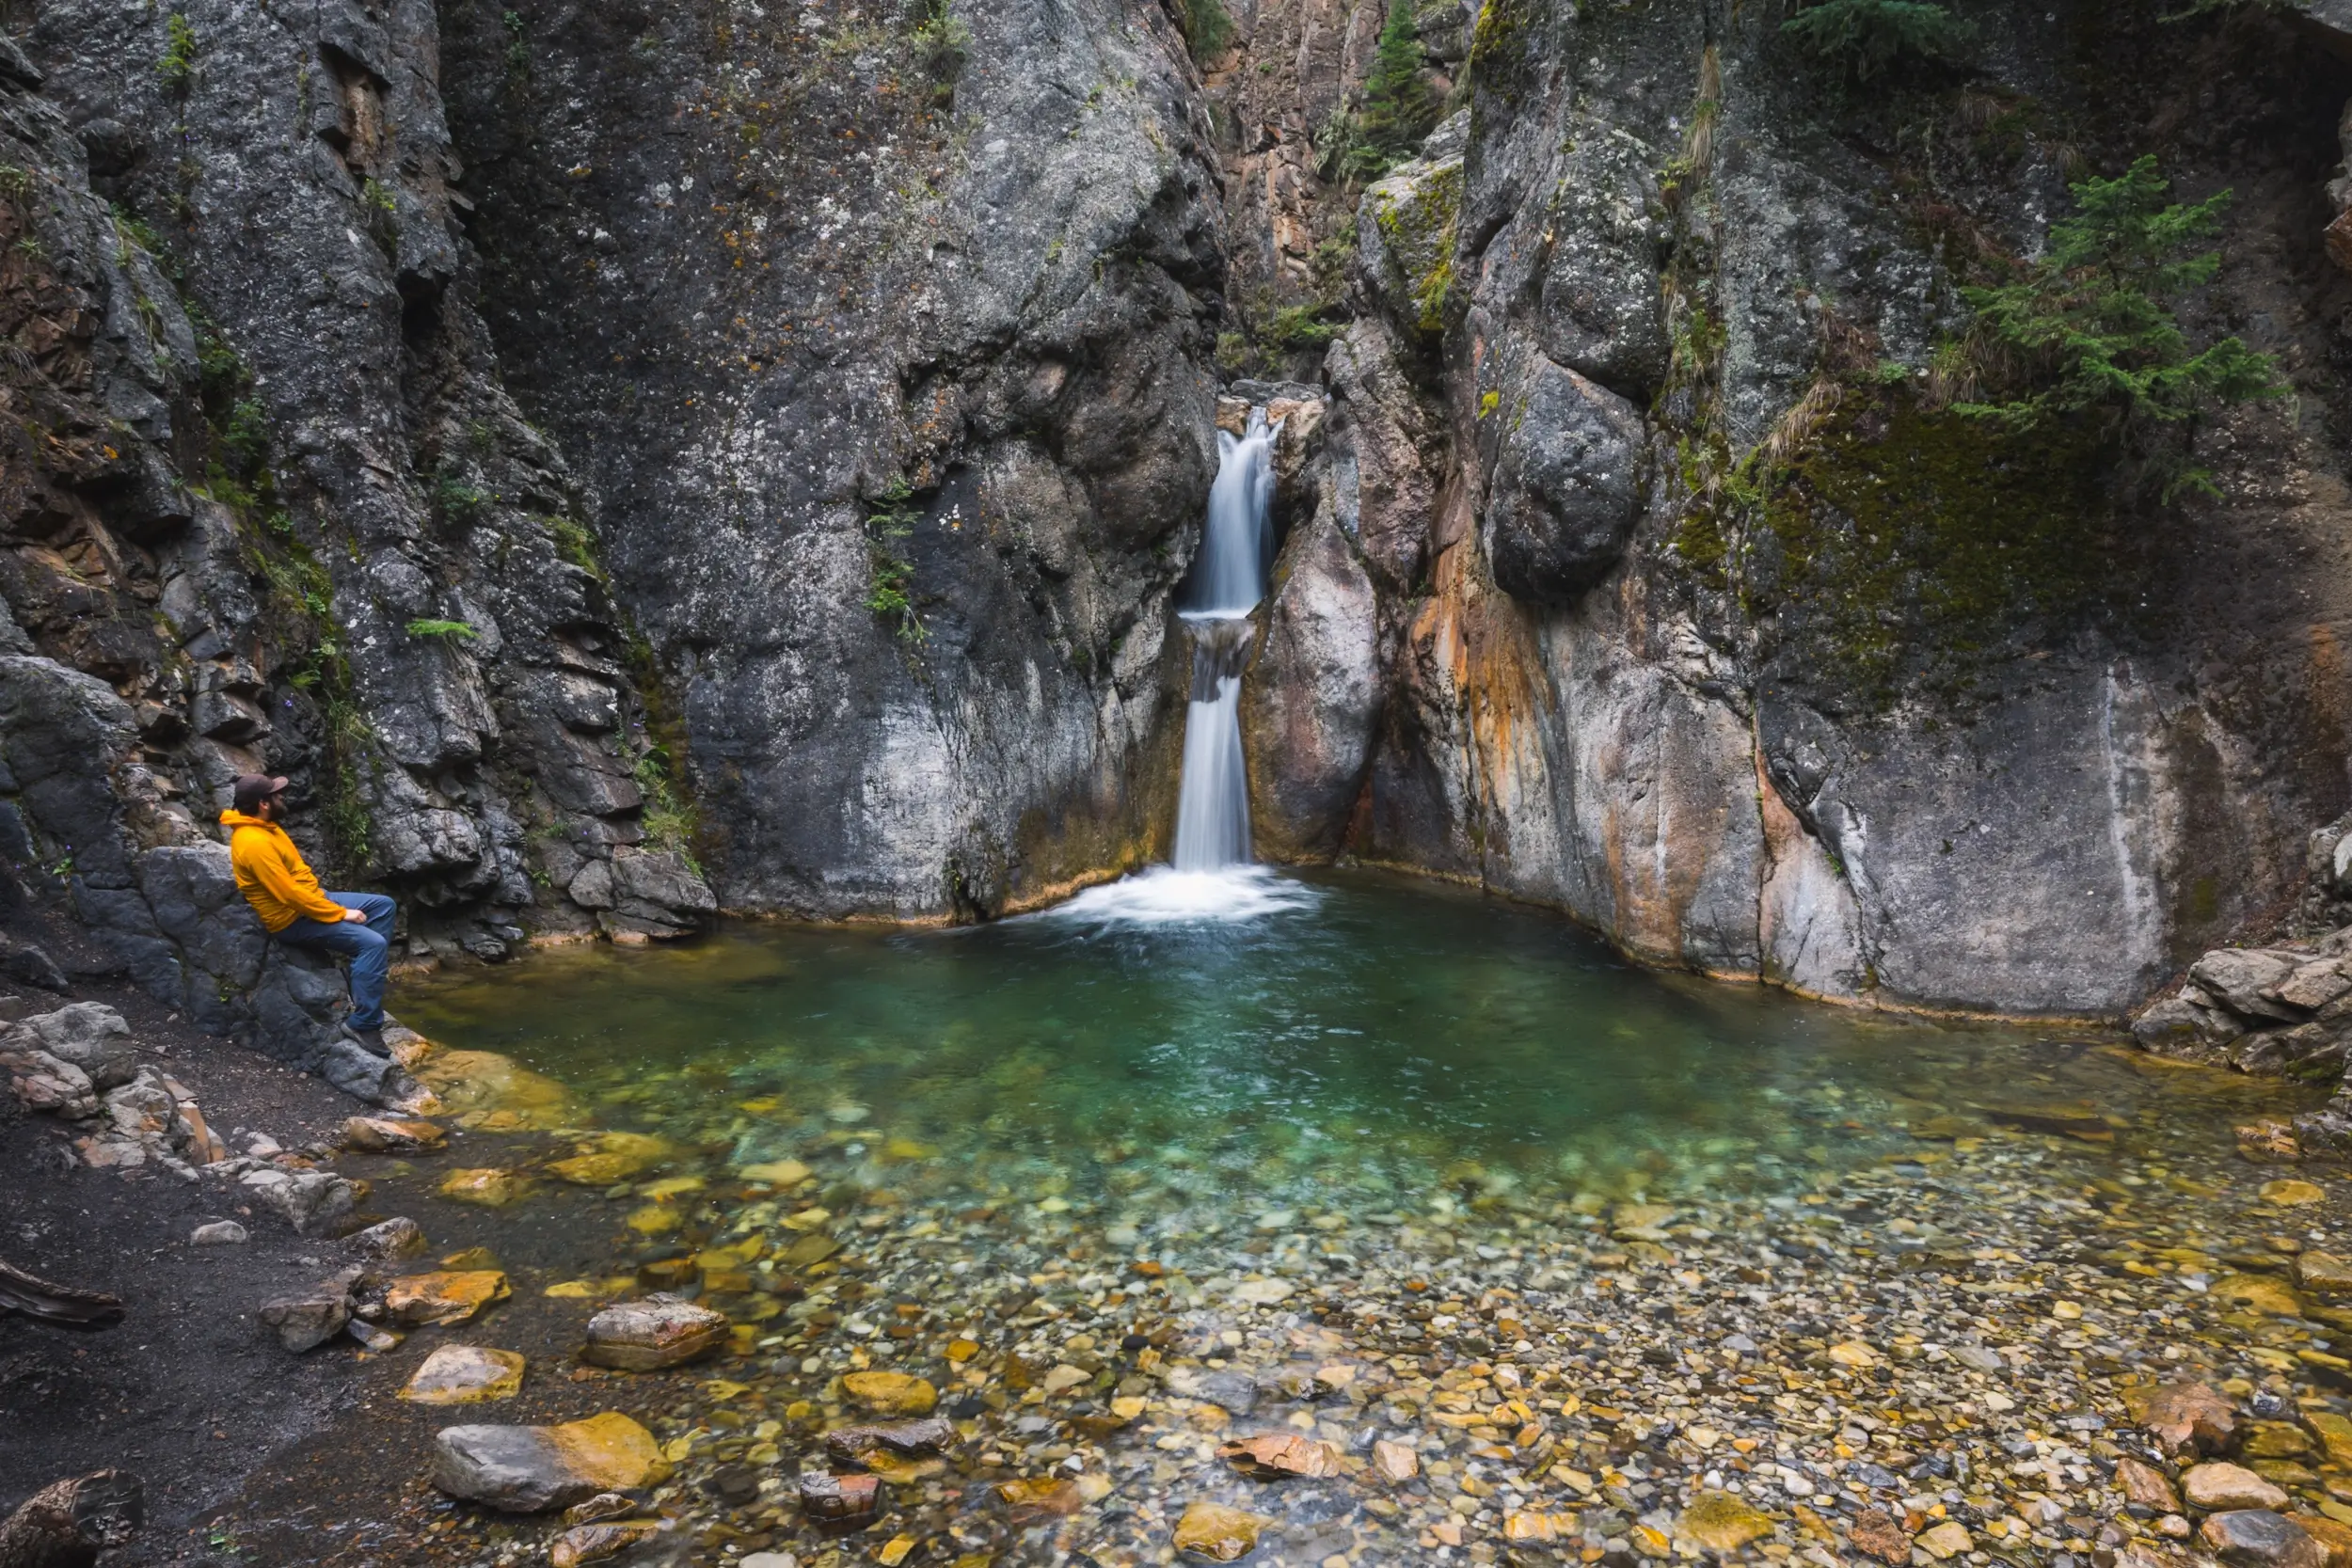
x=1237, y=547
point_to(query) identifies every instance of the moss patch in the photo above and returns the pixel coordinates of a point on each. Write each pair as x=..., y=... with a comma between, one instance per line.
x=1418, y=217
x=1902, y=548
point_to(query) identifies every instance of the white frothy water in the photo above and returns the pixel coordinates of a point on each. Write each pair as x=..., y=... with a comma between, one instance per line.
x=1212, y=879
x=1166, y=897
x=1213, y=805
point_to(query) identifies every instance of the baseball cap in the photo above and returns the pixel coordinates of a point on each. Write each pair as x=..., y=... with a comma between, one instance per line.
x=254, y=788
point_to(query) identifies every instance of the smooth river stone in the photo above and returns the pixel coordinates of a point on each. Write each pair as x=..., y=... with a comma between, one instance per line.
x=523, y=1470
x=483, y=1189
x=1219, y=1533
x=2223, y=1487
x=392, y=1135
x=646, y=1336
x=465, y=1374
x=2260, y=1538
x=1722, y=1523
x=890, y=1393
x=612, y=1158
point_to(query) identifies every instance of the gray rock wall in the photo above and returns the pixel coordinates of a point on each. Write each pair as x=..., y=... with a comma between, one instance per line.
x=1941, y=725
x=594, y=447
x=772, y=279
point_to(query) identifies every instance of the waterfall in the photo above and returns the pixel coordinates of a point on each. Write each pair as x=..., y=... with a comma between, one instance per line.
x=1236, y=547
x=1213, y=881
x=1228, y=581
x=1212, y=806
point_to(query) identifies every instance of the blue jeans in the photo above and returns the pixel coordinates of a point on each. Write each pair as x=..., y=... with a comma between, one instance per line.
x=368, y=947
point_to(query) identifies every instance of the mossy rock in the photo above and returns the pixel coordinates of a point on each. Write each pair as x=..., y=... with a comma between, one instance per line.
x=1409, y=242
x=1904, y=551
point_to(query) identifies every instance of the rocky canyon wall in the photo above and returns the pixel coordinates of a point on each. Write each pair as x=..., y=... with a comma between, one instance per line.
x=1696, y=617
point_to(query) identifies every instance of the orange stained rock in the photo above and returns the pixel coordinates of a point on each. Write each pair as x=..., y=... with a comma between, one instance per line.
x=449, y=1296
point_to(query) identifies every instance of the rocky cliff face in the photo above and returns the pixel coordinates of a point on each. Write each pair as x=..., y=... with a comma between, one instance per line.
x=625, y=460
x=1930, y=717
x=887, y=353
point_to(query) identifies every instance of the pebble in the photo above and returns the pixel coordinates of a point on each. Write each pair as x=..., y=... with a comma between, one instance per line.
x=2222, y=1486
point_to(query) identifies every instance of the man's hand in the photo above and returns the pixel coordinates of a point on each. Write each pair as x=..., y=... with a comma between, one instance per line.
x=360, y=915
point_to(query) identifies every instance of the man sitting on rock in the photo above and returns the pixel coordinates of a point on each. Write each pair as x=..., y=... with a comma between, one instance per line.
x=276, y=881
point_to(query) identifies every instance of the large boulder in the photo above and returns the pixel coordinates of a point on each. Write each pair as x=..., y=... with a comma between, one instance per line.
x=1566, y=485
x=2237, y=977
x=529, y=1469
x=90, y=1036
x=1310, y=705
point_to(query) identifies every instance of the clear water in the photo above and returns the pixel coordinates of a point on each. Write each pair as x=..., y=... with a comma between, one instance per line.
x=1360, y=1043
x=1284, y=1129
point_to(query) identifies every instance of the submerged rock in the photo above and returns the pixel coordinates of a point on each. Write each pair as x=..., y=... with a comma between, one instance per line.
x=2258, y=1538
x=387, y=1242
x=839, y=1502
x=646, y=1336
x=394, y=1135
x=529, y=1469
x=2221, y=1486
x=1219, y=1533
x=484, y=1189
x=915, y=1438
x=890, y=1393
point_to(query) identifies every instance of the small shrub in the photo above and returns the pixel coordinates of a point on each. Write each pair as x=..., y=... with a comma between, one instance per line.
x=942, y=40
x=247, y=435
x=177, y=65
x=890, y=594
x=459, y=501
x=1207, y=28
x=1864, y=37
x=453, y=631
x=2089, y=329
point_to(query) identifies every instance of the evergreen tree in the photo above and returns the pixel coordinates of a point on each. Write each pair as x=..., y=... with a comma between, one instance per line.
x=2089, y=329
x=1399, y=108
x=1866, y=36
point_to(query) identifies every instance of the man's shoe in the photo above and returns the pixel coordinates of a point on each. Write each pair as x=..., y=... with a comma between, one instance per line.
x=369, y=1040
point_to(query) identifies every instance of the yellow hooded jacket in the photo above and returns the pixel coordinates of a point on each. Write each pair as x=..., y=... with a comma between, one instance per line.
x=272, y=875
